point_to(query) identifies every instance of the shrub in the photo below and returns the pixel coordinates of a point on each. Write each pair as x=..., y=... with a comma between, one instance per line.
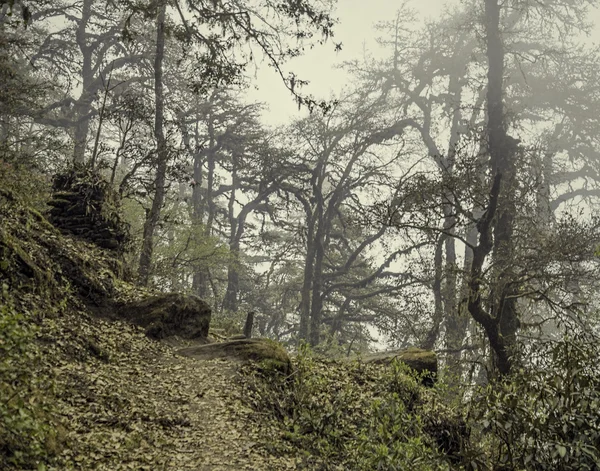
x=350, y=415
x=544, y=417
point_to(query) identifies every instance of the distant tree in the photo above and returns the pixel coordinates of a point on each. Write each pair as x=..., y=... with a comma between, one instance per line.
x=220, y=36
x=341, y=160
x=162, y=156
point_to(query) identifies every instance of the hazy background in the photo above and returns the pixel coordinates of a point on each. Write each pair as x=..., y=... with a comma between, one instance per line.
x=356, y=32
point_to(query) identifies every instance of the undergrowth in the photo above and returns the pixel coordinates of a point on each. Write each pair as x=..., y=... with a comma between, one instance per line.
x=28, y=435
x=545, y=415
x=355, y=416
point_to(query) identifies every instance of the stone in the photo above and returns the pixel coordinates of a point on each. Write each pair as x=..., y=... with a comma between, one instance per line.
x=265, y=351
x=166, y=315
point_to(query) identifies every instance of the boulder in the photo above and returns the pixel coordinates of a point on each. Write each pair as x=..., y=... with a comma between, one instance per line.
x=418, y=359
x=166, y=315
x=266, y=351
x=84, y=205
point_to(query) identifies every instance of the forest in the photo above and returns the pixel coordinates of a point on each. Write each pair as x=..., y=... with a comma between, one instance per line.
x=444, y=201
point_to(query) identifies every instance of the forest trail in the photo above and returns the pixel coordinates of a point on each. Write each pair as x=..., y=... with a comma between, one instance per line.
x=128, y=402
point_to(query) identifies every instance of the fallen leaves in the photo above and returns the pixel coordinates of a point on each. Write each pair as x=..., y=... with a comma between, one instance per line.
x=146, y=407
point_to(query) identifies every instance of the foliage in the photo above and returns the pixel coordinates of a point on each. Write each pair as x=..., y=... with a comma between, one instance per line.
x=230, y=323
x=25, y=183
x=351, y=415
x=544, y=417
x=27, y=434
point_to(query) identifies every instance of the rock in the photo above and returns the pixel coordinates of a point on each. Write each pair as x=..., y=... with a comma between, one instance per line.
x=236, y=337
x=266, y=351
x=83, y=204
x=418, y=359
x=166, y=315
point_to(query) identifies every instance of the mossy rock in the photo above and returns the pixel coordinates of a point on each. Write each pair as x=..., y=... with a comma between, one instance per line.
x=422, y=361
x=267, y=352
x=84, y=205
x=166, y=315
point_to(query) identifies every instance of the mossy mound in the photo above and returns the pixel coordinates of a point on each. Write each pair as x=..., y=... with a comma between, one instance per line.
x=418, y=359
x=167, y=315
x=422, y=361
x=84, y=204
x=267, y=352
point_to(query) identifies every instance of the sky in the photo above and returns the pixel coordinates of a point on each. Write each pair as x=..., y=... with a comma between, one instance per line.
x=355, y=31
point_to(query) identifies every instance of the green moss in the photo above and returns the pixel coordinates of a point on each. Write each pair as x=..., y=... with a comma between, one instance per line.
x=267, y=353
x=271, y=355
x=16, y=261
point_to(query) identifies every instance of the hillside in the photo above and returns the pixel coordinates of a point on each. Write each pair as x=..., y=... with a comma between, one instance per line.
x=105, y=395
x=87, y=390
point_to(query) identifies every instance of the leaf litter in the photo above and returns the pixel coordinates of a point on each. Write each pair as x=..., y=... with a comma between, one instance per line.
x=127, y=402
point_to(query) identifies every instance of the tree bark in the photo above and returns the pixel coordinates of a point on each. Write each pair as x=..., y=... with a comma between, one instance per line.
x=236, y=225
x=230, y=301
x=200, y=277
x=153, y=215
x=83, y=104
x=502, y=150
x=307, y=281
x=316, y=306
x=438, y=313
x=496, y=226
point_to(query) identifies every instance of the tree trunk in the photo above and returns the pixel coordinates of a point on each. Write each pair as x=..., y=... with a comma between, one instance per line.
x=500, y=322
x=316, y=307
x=84, y=103
x=153, y=215
x=304, y=329
x=438, y=313
x=200, y=277
x=455, y=331
x=230, y=301
x=502, y=153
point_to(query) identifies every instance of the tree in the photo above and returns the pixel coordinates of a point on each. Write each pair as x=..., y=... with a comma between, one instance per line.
x=441, y=91
x=220, y=63
x=81, y=46
x=340, y=158
x=162, y=155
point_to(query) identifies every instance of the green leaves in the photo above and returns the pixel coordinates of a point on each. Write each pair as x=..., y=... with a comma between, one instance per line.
x=544, y=417
x=351, y=415
x=25, y=428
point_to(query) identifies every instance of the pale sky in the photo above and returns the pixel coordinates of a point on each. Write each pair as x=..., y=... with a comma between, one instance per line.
x=355, y=31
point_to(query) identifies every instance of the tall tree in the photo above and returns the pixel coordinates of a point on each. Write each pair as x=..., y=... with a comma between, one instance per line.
x=500, y=321
x=162, y=155
x=220, y=59
x=340, y=156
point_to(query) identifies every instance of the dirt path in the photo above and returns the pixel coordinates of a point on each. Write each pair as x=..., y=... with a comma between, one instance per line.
x=129, y=403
